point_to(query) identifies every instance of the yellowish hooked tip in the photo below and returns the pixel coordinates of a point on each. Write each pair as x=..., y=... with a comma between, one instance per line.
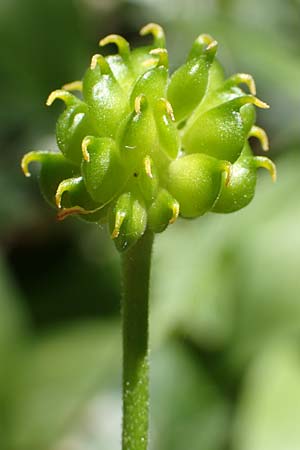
x=204, y=44
x=260, y=104
x=137, y=104
x=169, y=110
x=175, y=210
x=149, y=62
x=251, y=99
x=261, y=135
x=211, y=49
x=249, y=81
x=205, y=39
x=27, y=159
x=98, y=59
x=59, y=93
x=212, y=45
x=157, y=32
x=209, y=41
x=139, y=101
x=273, y=173
x=152, y=28
x=121, y=43
x=147, y=165
x=73, y=86
x=84, y=147
x=246, y=79
x=120, y=216
x=62, y=187
x=227, y=173
x=94, y=61
x=163, y=59
x=266, y=163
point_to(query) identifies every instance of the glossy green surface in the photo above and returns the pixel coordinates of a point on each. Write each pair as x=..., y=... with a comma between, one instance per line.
x=191, y=176
x=143, y=146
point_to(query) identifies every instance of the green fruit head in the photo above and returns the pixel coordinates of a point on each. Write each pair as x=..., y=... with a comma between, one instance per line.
x=140, y=146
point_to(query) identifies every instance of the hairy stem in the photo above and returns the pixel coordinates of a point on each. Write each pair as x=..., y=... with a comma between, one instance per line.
x=136, y=273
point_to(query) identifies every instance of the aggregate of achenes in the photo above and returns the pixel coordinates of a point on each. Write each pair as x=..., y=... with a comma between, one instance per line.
x=140, y=147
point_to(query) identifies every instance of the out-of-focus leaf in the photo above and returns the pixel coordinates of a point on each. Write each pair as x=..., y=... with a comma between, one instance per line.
x=269, y=410
x=11, y=318
x=187, y=408
x=16, y=206
x=57, y=375
x=192, y=283
x=268, y=261
x=233, y=279
x=184, y=403
x=12, y=337
x=67, y=395
x=45, y=41
x=97, y=425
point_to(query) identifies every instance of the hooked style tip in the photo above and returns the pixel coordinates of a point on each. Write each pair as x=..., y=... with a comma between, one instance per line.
x=64, y=186
x=175, y=210
x=98, y=60
x=121, y=43
x=139, y=102
x=157, y=32
x=169, y=108
x=261, y=135
x=274, y=174
x=149, y=63
x=94, y=61
x=25, y=163
x=147, y=166
x=204, y=44
x=59, y=192
x=63, y=95
x=73, y=86
x=163, y=58
x=266, y=163
x=84, y=147
x=260, y=104
x=244, y=99
x=34, y=156
x=120, y=216
x=227, y=173
x=206, y=39
x=212, y=48
x=249, y=81
x=244, y=78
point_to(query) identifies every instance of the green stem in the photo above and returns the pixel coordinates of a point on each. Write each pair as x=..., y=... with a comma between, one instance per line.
x=136, y=273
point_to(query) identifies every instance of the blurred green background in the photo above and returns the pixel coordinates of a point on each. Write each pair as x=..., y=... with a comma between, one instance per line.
x=225, y=303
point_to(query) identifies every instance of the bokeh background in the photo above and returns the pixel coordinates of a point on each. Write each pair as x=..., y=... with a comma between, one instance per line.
x=225, y=303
